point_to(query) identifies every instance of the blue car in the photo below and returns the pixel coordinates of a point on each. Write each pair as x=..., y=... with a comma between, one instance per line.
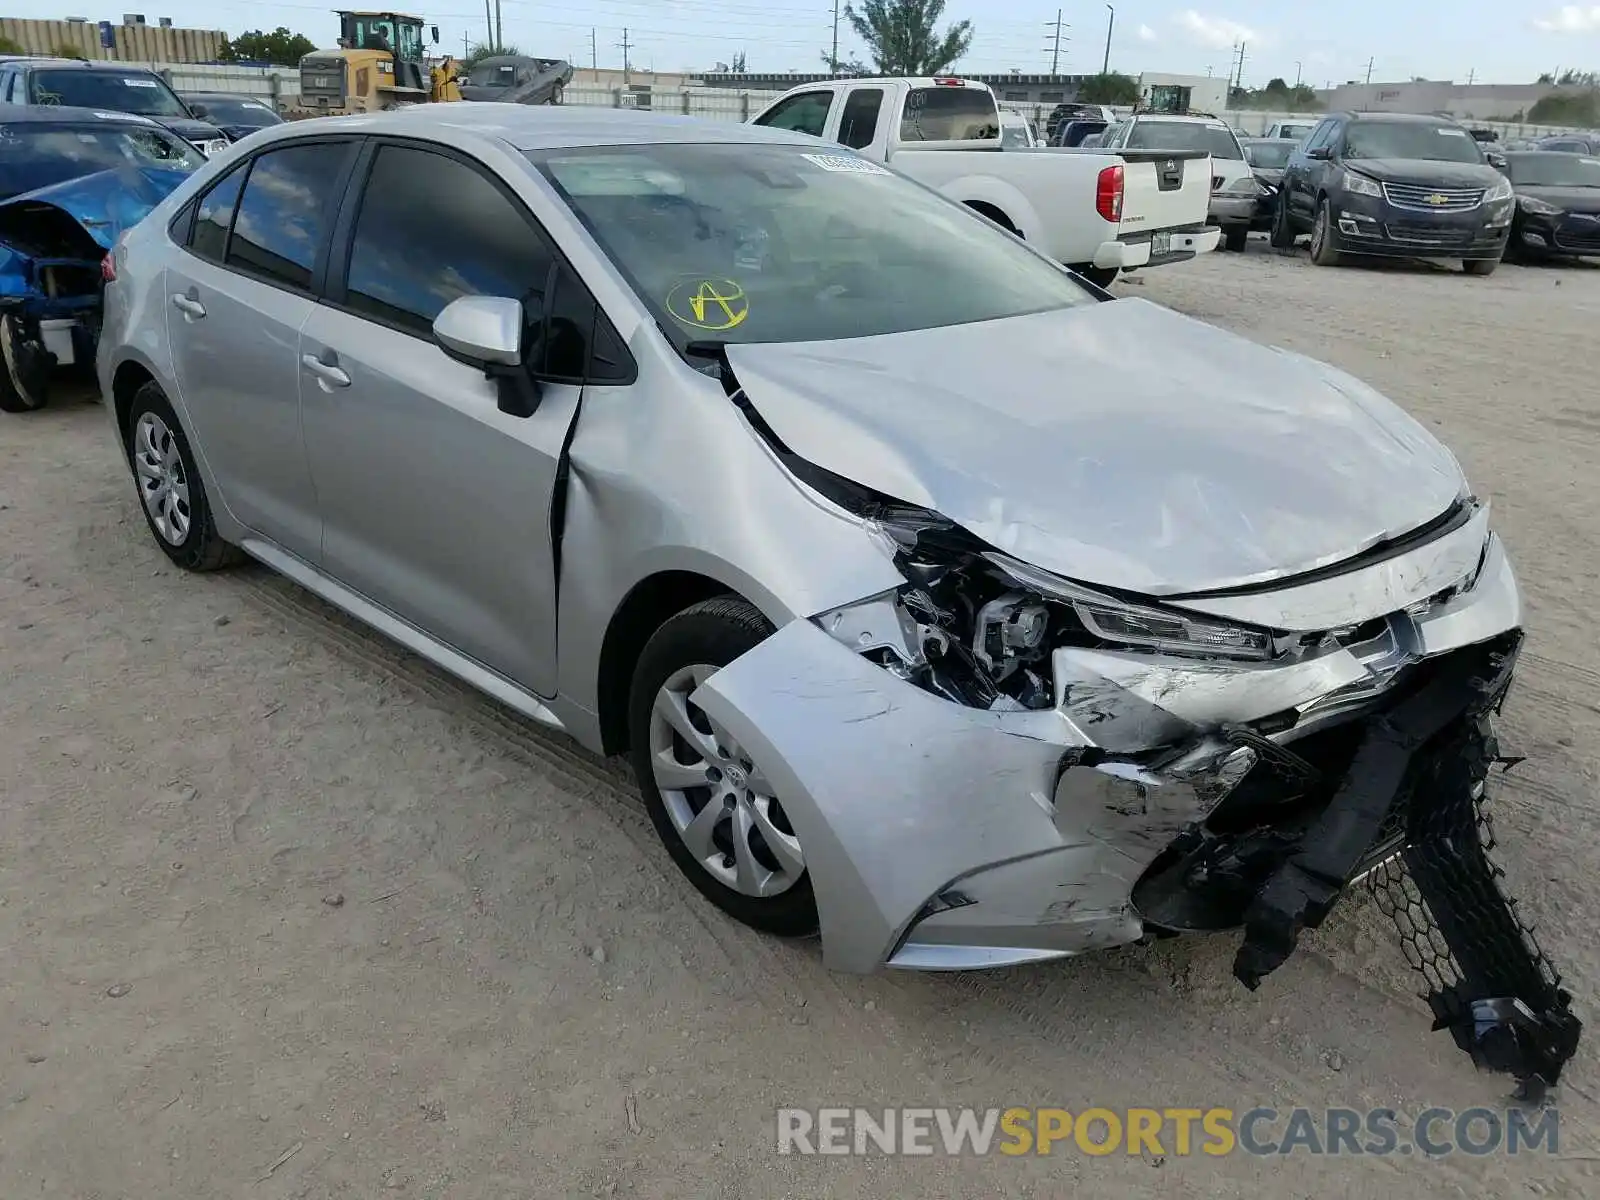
x=71, y=180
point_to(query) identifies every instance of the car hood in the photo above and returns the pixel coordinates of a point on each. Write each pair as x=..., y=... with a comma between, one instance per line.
x=103, y=204
x=1423, y=172
x=1118, y=443
x=1573, y=199
x=191, y=130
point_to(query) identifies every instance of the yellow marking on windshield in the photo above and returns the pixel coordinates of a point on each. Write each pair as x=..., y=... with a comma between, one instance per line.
x=711, y=304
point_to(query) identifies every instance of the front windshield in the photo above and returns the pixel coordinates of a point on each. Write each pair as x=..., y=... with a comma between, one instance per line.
x=1184, y=135
x=1411, y=139
x=1271, y=156
x=1554, y=170
x=775, y=243
x=35, y=156
x=89, y=88
x=241, y=112
x=501, y=75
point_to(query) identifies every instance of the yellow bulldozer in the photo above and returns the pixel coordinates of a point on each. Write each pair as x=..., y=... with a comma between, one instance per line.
x=380, y=64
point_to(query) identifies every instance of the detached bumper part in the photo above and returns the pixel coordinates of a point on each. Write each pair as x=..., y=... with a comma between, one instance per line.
x=1414, y=793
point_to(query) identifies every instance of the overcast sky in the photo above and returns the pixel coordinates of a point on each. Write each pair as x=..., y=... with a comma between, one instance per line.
x=1322, y=40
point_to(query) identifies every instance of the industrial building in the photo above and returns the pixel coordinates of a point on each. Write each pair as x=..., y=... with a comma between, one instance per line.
x=130, y=39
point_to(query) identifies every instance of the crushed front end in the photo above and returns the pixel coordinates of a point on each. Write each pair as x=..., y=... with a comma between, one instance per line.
x=994, y=764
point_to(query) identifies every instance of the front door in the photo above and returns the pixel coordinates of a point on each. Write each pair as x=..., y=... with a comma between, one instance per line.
x=436, y=505
x=235, y=303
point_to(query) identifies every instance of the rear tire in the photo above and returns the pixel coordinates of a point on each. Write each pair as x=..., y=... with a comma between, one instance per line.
x=1323, y=251
x=171, y=493
x=716, y=797
x=1101, y=277
x=1235, y=237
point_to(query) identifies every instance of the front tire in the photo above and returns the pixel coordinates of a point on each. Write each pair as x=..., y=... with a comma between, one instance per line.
x=171, y=493
x=1323, y=251
x=1235, y=237
x=1282, y=235
x=558, y=94
x=1480, y=266
x=24, y=380
x=1101, y=277
x=710, y=802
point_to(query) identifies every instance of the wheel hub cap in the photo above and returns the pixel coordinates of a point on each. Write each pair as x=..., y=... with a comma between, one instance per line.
x=721, y=804
x=163, y=485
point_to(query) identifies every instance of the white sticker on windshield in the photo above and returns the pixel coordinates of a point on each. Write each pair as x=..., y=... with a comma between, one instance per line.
x=149, y=83
x=1452, y=132
x=847, y=164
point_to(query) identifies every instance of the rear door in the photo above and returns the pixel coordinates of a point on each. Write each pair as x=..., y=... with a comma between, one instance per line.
x=236, y=299
x=436, y=505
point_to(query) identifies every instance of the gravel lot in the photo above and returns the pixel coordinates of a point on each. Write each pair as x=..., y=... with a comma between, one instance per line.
x=285, y=912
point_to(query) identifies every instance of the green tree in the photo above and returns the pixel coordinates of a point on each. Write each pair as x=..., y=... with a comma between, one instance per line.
x=280, y=47
x=1567, y=108
x=7, y=46
x=1109, y=88
x=903, y=37
x=68, y=50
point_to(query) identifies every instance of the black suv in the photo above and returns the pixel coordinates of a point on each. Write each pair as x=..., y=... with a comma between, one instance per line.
x=110, y=87
x=1395, y=186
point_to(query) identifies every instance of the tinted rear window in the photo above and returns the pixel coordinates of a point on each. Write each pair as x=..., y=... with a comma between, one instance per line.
x=949, y=114
x=284, y=212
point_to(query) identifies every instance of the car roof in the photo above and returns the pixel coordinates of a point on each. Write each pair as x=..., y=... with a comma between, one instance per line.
x=544, y=126
x=1401, y=118
x=63, y=114
x=90, y=65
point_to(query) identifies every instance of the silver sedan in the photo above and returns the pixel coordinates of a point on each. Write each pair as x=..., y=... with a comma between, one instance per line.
x=943, y=604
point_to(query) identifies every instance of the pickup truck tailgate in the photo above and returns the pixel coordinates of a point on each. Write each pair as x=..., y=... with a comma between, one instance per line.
x=1164, y=190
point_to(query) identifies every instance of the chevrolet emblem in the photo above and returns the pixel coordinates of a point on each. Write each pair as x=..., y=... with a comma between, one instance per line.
x=1436, y=198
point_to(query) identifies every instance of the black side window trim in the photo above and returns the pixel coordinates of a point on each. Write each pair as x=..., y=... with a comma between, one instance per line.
x=319, y=264
x=332, y=290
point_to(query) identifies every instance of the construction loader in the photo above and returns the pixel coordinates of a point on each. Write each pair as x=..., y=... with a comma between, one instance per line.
x=380, y=64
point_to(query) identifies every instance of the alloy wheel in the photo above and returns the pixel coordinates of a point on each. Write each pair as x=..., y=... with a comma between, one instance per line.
x=163, y=485
x=718, y=800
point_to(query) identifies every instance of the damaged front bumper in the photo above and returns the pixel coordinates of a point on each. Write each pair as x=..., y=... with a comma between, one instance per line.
x=1160, y=791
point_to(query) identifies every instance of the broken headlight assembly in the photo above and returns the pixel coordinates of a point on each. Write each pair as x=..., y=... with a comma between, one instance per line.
x=978, y=627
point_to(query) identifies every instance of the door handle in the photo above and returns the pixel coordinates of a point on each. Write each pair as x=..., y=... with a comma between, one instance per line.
x=189, y=306
x=328, y=374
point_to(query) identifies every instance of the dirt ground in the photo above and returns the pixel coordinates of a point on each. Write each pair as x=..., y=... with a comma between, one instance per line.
x=285, y=912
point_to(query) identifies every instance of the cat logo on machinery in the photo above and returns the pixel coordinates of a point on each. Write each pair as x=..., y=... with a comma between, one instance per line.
x=710, y=304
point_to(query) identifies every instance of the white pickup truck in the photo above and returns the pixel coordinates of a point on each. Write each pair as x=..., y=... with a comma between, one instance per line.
x=1097, y=213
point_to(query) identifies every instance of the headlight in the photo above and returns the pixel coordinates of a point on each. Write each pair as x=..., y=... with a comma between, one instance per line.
x=1141, y=625
x=1245, y=185
x=211, y=146
x=1360, y=185
x=1530, y=204
x=1500, y=191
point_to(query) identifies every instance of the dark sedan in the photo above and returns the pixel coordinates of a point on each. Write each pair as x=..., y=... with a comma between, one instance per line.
x=1267, y=158
x=1389, y=185
x=236, y=116
x=1558, y=204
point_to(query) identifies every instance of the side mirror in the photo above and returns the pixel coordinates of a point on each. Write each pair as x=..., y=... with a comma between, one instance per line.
x=1497, y=161
x=486, y=332
x=199, y=110
x=1321, y=153
x=434, y=29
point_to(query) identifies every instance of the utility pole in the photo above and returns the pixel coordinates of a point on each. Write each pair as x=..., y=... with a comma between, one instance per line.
x=1471, y=75
x=488, y=26
x=1297, y=75
x=499, y=28
x=627, y=63
x=594, y=52
x=1238, y=74
x=833, y=58
x=1054, y=43
x=1111, y=23
x=466, y=45
x=1369, y=70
